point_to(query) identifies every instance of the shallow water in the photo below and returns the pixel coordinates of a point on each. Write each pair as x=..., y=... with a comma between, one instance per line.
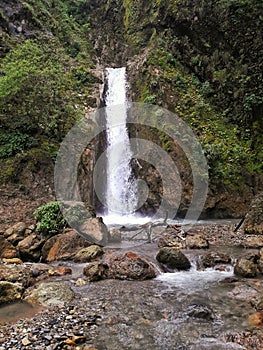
x=16, y=311
x=182, y=310
x=157, y=314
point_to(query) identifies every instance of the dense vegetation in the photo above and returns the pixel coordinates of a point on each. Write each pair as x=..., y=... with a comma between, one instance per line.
x=205, y=63
x=45, y=78
x=200, y=59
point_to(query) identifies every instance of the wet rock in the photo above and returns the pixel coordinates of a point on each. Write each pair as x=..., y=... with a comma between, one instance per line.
x=95, y=230
x=256, y=319
x=129, y=266
x=30, y=248
x=213, y=258
x=173, y=258
x=50, y=293
x=95, y=271
x=10, y=292
x=252, y=241
x=114, y=235
x=245, y=268
x=196, y=241
x=7, y=250
x=170, y=240
x=253, y=223
x=243, y=292
x=88, y=254
x=200, y=311
x=64, y=246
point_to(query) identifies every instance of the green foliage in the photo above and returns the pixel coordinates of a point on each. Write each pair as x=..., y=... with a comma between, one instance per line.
x=34, y=90
x=226, y=153
x=50, y=220
x=13, y=143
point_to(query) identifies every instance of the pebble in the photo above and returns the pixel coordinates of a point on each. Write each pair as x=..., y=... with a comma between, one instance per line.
x=56, y=328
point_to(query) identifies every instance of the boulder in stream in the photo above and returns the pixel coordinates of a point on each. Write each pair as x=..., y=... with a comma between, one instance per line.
x=173, y=259
x=88, y=254
x=211, y=259
x=95, y=271
x=252, y=241
x=15, y=273
x=129, y=266
x=200, y=311
x=246, y=268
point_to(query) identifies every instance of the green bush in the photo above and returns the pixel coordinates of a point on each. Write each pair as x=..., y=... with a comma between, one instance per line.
x=13, y=143
x=50, y=220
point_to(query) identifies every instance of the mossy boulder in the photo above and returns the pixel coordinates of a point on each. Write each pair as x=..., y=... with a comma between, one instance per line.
x=88, y=254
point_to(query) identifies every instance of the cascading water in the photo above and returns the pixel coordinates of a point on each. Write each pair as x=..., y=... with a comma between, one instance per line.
x=121, y=198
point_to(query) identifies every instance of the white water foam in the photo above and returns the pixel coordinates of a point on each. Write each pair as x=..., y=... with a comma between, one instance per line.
x=194, y=279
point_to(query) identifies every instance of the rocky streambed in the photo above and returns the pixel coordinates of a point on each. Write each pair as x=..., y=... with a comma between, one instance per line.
x=122, y=297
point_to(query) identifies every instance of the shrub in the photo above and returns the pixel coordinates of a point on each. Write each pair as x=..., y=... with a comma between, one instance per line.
x=50, y=219
x=13, y=143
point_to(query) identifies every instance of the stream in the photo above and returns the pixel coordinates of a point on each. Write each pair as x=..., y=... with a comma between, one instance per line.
x=182, y=310
x=194, y=309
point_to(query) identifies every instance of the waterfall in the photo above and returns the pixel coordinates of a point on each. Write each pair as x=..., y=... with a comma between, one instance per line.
x=121, y=198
